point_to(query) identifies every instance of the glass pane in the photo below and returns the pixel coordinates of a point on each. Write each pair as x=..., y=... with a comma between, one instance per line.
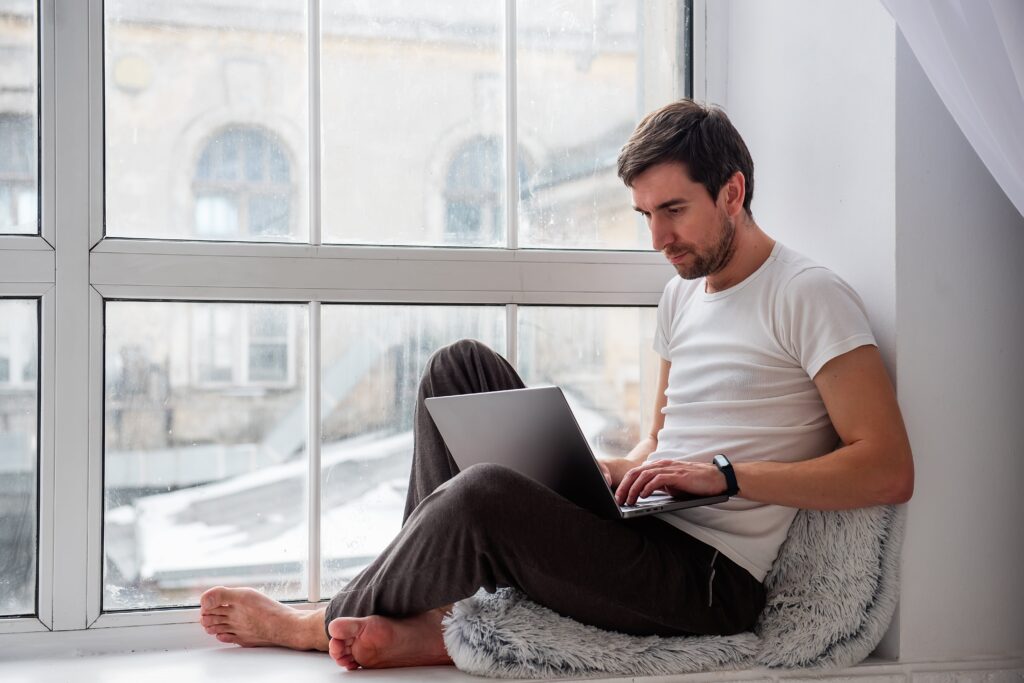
x=369, y=385
x=19, y=87
x=19, y=420
x=413, y=98
x=205, y=462
x=604, y=362
x=586, y=74
x=206, y=120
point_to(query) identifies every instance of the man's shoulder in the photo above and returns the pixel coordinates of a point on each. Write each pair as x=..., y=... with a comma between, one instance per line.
x=797, y=274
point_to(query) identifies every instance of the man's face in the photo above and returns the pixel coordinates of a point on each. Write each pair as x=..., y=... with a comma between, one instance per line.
x=695, y=234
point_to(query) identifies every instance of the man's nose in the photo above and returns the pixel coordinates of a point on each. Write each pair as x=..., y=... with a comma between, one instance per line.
x=661, y=235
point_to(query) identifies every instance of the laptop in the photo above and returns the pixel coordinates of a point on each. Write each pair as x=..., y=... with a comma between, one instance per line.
x=534, y=432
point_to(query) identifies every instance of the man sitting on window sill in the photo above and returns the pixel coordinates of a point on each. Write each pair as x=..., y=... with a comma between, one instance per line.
x=766, y=357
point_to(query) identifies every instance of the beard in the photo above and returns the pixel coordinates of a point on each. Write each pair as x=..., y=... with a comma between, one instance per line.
x=711, y=260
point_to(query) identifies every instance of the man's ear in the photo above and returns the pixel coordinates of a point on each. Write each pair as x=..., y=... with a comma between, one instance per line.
x=732, y=193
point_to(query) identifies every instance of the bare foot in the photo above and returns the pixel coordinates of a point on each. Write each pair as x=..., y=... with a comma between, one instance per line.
x=378, y=642
x=246, y=617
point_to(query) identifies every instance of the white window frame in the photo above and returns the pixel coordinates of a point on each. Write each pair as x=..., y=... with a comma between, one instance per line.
x=72, y=269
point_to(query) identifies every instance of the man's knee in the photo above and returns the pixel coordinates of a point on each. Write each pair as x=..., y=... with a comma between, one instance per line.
x=456, y=353
x=467, y=347
x=486, y=491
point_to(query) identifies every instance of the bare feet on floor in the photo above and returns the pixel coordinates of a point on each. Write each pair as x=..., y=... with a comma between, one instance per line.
x=378, y=642
x=246, y=617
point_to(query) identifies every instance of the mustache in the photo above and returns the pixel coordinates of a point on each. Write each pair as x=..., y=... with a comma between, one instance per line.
x=675, y=251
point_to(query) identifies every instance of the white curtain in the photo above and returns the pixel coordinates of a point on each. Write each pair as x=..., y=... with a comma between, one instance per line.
x=973, y=53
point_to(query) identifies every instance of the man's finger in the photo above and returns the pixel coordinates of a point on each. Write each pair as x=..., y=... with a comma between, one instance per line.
x=638, y=485
x=626, y=485
x=628, y=480
x=663, y=481
x=662, y=474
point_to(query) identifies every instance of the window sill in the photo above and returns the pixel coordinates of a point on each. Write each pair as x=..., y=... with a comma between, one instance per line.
x=184, y=652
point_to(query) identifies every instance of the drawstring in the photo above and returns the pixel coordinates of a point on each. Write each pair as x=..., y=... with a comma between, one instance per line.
x=711, y=577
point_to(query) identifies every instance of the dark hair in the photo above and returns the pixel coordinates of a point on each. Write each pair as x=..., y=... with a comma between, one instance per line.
x=700, y=137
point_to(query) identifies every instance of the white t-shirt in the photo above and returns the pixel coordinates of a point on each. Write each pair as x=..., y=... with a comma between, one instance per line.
x=741, y=384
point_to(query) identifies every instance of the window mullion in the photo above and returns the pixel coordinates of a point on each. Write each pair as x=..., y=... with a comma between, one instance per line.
x=47, y=139
x=74, y=87
x=97, y=152
x=511, y=143
x=512, y=334
x=94, y=576
x=313, y=452
x=47, y=339
x=313, y=42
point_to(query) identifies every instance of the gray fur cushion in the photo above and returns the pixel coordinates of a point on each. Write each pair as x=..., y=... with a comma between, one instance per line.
x=831, y=594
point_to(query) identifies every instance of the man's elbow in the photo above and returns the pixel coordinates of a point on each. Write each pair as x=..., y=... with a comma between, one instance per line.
x=902, y=493
x=900, y=482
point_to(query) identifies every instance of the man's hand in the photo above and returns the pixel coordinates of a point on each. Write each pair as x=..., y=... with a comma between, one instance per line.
x=614, y=469
x=671, y=476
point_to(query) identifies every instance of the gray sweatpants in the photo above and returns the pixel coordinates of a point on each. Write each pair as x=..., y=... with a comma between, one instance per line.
x=490, y=527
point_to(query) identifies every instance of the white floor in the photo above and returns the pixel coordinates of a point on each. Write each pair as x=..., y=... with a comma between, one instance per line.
x=29, y=662
x=226, y=664
x=212, y=664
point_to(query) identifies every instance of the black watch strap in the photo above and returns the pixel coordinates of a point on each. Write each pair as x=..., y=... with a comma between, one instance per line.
x=725, y=467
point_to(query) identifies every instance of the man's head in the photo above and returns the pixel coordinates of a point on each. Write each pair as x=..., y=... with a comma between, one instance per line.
x=700, y=137
x=691, y=176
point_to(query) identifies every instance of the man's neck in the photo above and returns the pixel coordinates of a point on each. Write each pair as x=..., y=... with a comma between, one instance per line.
x=753, y=247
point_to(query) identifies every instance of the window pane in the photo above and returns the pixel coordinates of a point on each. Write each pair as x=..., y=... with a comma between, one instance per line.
x=19, y=85
x=585, y=71
x=19, y=419
x=413, y=97
x=205, y=462
x=369, y=384
x=207, y=120
x=604, y=362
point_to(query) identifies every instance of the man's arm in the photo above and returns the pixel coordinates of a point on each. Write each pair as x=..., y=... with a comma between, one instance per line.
x=874, y=467
x=617, y=467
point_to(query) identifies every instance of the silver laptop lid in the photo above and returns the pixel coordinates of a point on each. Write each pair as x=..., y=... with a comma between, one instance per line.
x=534, y=432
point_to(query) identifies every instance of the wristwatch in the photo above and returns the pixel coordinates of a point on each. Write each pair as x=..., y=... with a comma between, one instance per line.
x=725, y=467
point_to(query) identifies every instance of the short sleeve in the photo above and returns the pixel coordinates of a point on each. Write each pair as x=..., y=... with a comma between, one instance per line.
x=821, y=317
x=665, y=314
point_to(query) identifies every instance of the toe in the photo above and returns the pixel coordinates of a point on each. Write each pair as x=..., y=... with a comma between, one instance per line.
x=348, y=662
x=213, y=598
x=212, y=620
x=344, y=628
x=227, y=637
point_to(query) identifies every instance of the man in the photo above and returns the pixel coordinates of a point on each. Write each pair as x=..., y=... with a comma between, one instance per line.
x=766, y=358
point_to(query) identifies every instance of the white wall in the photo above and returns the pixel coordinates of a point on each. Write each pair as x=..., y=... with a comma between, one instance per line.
x=960, y=307
x=811, y=86
x=859, y=166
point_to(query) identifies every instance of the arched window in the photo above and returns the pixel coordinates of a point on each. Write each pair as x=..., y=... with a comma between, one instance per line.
x=18, y=203
x=243, y=186
x=473, y=193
